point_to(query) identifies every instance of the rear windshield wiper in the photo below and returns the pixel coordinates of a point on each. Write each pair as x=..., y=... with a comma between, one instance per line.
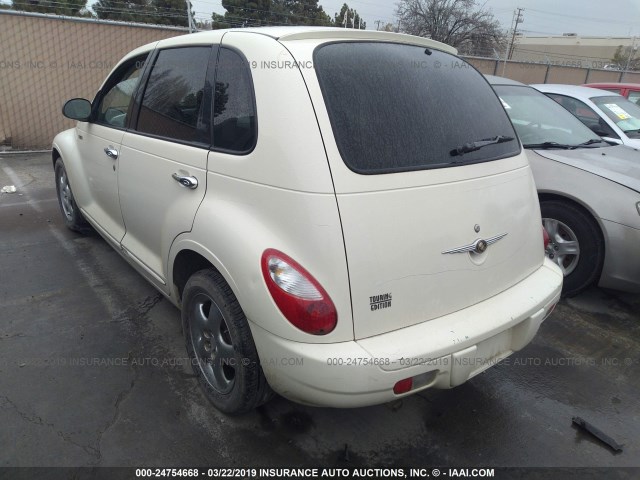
x=473, y=146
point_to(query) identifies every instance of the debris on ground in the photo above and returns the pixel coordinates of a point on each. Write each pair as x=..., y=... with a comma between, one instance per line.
x=599, y=434
x=8, y=189
x=345, y=455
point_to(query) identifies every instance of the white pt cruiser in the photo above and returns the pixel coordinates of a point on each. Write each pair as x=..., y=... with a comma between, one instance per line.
x=344, y=217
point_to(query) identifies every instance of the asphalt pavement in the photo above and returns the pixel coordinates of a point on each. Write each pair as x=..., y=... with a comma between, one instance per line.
x=93, y=372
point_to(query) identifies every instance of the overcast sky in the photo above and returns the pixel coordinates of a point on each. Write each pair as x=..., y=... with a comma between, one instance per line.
x=541, y=17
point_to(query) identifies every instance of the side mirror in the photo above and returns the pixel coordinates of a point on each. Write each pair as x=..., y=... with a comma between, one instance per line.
x=77, y=109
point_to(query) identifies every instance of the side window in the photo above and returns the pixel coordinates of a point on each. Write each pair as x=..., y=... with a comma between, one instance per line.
x=578, y=108
x=172, y=104
x=234, y=121
x=634, y=96
x=114, y=106
x=586, y=115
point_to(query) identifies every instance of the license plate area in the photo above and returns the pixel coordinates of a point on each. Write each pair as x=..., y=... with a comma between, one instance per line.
x=471, y=361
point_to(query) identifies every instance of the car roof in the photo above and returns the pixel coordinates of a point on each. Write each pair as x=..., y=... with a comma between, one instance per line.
x=576, y=91
x=320, y=34
x=635, y=86
x=494, y=80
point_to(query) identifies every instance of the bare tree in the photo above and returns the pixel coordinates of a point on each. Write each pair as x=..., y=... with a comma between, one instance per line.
x=459, y=23
x=625, y=57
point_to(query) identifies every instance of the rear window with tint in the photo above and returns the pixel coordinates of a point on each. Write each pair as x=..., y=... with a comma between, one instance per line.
x=401, y=107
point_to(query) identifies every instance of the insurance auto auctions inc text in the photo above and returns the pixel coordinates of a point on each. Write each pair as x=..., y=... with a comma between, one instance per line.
x=374, y=472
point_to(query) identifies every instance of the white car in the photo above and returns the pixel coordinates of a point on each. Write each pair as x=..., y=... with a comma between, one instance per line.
x=334, y=224
x=607, y=114
x=589, y=191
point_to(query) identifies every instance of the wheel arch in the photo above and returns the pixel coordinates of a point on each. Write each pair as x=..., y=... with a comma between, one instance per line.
x=188, y=257
x=600, y=230
x=554, y=196
x=55, y=155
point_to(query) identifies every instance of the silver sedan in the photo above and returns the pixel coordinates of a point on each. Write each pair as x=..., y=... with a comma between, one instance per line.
x=589, y=191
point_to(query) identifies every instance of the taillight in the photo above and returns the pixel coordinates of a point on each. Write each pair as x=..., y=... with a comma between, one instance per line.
x=545, y=237
x=298, y=295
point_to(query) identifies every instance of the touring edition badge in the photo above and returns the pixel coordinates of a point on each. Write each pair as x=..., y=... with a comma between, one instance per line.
x=378, y=302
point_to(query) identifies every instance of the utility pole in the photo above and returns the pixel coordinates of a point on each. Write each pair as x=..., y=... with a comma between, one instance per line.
x=632, y=50
x=191, y=23
x=378, y=22
x=518, y=20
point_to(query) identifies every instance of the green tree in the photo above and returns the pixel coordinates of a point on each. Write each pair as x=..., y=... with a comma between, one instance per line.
x=58, y=7
x=349, y=18
x=246, y=13
x=219, y=21
x=125, y=10
x=303, y=12
x=170, y=12
x=252, y=13
x=459, y=23
x=624, y=56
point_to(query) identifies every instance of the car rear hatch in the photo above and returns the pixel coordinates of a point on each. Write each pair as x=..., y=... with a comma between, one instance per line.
x=438, y=206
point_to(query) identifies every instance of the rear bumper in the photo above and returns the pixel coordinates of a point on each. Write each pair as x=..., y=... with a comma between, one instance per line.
x=440, y=353
x=621, y=270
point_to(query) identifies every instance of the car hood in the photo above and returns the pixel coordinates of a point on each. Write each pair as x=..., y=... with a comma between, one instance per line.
x=632, y=142
x=620, y=164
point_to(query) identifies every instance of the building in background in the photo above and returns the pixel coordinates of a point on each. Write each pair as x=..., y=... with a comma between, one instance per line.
x=576, y=51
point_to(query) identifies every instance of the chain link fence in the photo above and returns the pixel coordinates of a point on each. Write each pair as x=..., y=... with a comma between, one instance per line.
x=47, y=59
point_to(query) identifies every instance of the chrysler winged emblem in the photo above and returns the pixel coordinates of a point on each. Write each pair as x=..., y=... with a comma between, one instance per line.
x=478, y=246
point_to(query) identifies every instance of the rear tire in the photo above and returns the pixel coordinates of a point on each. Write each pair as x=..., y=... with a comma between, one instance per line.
x=220, y=345
x=576, y=244
x=71, y=214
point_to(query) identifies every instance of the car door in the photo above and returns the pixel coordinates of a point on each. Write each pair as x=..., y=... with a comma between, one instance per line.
x=163, y=158
x=99, y=144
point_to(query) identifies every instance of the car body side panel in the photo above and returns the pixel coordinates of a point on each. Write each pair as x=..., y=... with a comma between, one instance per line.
x=66, y=144
x=156, y=208
x=610, y=204
x=280, y=195
x=92, y=175
x=240, y=220
x=621, y=270
x=289, y=152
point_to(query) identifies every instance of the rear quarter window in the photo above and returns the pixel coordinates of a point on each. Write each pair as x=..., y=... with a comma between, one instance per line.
x=396, y=107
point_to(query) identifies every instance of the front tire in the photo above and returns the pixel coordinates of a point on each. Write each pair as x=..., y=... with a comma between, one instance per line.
x=220, y=345
x=576, y=244
x=71, y=214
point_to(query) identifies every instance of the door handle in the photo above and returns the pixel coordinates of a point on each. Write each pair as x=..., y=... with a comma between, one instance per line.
x=185, y=181
x=111, y=152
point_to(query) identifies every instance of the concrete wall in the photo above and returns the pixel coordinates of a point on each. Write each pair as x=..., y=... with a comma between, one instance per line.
x=45, y=60
x=528, y=72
